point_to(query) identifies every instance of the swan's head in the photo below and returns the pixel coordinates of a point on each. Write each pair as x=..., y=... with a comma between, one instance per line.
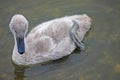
x=19, y=26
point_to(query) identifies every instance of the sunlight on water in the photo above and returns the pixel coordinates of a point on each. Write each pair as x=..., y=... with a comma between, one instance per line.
x=101, y=61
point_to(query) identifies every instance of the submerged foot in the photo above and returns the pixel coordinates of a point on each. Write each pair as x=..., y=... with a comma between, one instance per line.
x=74, y=36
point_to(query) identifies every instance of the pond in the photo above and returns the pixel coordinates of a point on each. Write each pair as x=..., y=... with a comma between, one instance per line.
x=102, y=58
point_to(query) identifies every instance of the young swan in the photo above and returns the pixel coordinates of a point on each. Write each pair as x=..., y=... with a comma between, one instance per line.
x=48, y=41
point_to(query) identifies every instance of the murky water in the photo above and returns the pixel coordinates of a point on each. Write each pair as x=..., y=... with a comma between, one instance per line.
x=101, y=61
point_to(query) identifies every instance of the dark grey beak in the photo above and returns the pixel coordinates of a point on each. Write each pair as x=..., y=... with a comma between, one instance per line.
x=20, y=45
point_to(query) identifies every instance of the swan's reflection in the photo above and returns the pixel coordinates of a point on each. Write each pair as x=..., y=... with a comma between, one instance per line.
x=19, y=72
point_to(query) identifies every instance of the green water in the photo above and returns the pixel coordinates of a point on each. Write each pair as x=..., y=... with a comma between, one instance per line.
x=102, y=58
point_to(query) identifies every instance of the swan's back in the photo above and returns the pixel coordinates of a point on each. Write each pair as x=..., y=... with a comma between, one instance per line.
x=58, y=28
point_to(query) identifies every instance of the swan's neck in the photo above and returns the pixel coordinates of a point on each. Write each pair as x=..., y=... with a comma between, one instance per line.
x=20, y=59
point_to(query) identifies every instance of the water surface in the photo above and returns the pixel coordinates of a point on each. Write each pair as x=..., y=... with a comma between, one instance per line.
x=101, y=61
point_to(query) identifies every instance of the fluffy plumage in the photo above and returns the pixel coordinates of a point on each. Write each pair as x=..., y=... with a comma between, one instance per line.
x=47, y=41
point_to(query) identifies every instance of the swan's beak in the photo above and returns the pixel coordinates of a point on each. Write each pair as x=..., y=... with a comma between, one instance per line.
x=20, y=45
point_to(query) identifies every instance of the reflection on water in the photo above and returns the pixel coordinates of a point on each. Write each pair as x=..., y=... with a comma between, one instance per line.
x=19, y=74
x=19, y=71
x=101, y=61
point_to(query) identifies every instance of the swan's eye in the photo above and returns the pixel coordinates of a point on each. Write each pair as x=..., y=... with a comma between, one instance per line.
x=15, y=31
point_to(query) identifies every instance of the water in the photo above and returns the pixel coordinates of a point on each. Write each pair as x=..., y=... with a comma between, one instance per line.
x=101, y=61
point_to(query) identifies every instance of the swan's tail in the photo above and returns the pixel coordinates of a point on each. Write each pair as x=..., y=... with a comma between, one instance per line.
x=81, y=24
x=83, y=20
